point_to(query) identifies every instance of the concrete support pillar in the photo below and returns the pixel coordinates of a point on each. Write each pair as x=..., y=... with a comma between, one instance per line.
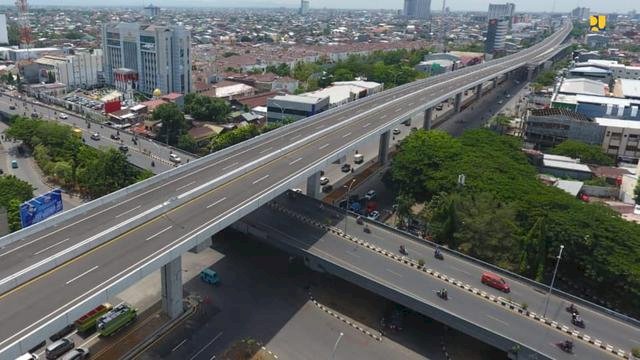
x=203, y=245
x=494, y=83
x=383, y=149
x=478, y=91
x=506, y=75
x=313, y=185
x=530, y=73
x=458, y=102
x=171, y=278
x=428, y=117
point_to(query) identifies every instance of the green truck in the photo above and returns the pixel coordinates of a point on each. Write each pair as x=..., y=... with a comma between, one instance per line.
x=88, y=321
x=121, y=316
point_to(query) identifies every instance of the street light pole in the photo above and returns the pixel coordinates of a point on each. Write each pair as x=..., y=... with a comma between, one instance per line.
x=335, y=347
x=553, y=279
x=346, y=208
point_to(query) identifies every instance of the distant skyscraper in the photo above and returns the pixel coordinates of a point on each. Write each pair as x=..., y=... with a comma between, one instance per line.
x=581, y=13
x=148, y=57
x=417, y=9
x=151, y=11
x=502, y=11
x=304, y=7
x=496, y=35
x=4, y=38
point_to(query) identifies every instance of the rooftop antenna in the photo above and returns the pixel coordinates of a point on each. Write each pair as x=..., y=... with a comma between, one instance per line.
x=23, y=24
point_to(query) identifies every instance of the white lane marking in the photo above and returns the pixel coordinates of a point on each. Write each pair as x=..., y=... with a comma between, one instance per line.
x=81, y=275
x=345, y=135
x=206, y=346
x=49, y=247
x=383, y=116
x=319, y=127
x=398, y=109
x=353, y=254
x=230, y=166
x=393, y=272
x=295, y=161
x=178, y=346
x=462, y=271
x=158, y=233
x=265, y=150
x=498, y=320
x=217, y=202
x=128, y=211
x=262, y=178
x=365, y=125
x=323, y=146
x=184, y=186
x=294, y=137
x=410, y=104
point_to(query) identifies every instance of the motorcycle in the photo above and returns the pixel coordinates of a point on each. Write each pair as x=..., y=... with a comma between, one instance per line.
x=438, y=255
x=566, y=346
x=442, y=294
x=572, y=309
x=359, y=220
x=366, y=229
x=403, y=250
x=577, y=321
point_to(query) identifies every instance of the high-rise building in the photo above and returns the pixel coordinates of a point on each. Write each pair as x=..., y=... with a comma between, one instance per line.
x=304, y=7
x=153, y=57
x=151, y=11
x=501, y=11
x=580, y=13
x=496, y=35
x=417, y=9
x=4, y=37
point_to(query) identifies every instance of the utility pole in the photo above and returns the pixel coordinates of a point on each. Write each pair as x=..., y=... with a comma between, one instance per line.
x=553, y=279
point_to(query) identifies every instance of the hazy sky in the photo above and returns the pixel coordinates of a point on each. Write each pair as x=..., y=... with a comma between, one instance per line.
x=523, y=5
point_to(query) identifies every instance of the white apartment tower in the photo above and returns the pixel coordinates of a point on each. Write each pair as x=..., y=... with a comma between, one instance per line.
x=417, y=9
x=155, y=57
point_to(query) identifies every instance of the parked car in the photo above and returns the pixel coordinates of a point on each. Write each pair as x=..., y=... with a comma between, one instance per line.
x=123, y=148
x=95, y=136
x=495, y=282
x=14, y=164
x=370, y=195
x=327, y=188
x=324, y=180
x=77, y=354
x=346, y=168
x=374, y=215
x=58, y=348
x=12, y=107
x=209, y=276
x=396, y=131
x=174, y=158
x=63, y=116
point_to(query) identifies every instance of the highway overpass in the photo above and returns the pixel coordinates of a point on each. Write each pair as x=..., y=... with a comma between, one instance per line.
x=372, y=260
x=54, y=271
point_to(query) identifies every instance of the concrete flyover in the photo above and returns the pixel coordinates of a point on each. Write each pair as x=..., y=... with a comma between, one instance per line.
x=54, y=271
x=372, y=260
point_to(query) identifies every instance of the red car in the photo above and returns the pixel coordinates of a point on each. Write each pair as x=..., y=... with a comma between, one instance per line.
x=495, y=281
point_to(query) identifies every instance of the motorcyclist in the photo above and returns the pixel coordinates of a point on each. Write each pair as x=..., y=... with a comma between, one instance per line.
x=438, y=253
x=402, y=249
x=567, y=345
x=572, y=309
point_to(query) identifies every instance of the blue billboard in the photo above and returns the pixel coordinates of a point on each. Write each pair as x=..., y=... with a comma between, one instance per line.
x=40, y=208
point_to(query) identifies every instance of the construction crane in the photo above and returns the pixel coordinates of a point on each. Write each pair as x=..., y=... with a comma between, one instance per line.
x=23, y=23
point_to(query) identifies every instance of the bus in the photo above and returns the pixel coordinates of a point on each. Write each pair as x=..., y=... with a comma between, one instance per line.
x=121, y=316
x=88, y=321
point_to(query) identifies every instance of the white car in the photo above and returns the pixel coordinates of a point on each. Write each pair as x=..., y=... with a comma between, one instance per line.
x=396, y=131
x=324, y=180
x=63, y=116
x=95, y=136
x=374, y=215
x=296, y=190
x=636, y=209
x=174, y=158
x=370, y=195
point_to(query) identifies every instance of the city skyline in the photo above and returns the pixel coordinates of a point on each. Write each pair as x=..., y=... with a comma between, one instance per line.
x=458, y=5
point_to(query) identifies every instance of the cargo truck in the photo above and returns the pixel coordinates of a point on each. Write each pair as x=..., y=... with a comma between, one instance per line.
x=88, y=321
x=121, y=316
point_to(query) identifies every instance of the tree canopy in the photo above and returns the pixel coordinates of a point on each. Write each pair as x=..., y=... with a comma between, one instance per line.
x=173, y=122
x=14, y=192
x=588, y=154
x=206, y=108
x=504, y=215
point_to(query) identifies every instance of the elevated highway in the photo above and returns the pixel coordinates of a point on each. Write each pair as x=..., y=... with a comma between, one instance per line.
x=372, y=260
x=52, y=272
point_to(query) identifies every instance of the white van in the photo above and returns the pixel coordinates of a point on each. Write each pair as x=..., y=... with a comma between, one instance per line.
x=358, y=158
x=27, y=356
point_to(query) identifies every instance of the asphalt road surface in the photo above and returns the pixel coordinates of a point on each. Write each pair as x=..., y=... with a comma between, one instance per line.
x=462, y=303
x=300, y=144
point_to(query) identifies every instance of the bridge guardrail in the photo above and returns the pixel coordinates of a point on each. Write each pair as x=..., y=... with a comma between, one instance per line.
x=568, y=296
